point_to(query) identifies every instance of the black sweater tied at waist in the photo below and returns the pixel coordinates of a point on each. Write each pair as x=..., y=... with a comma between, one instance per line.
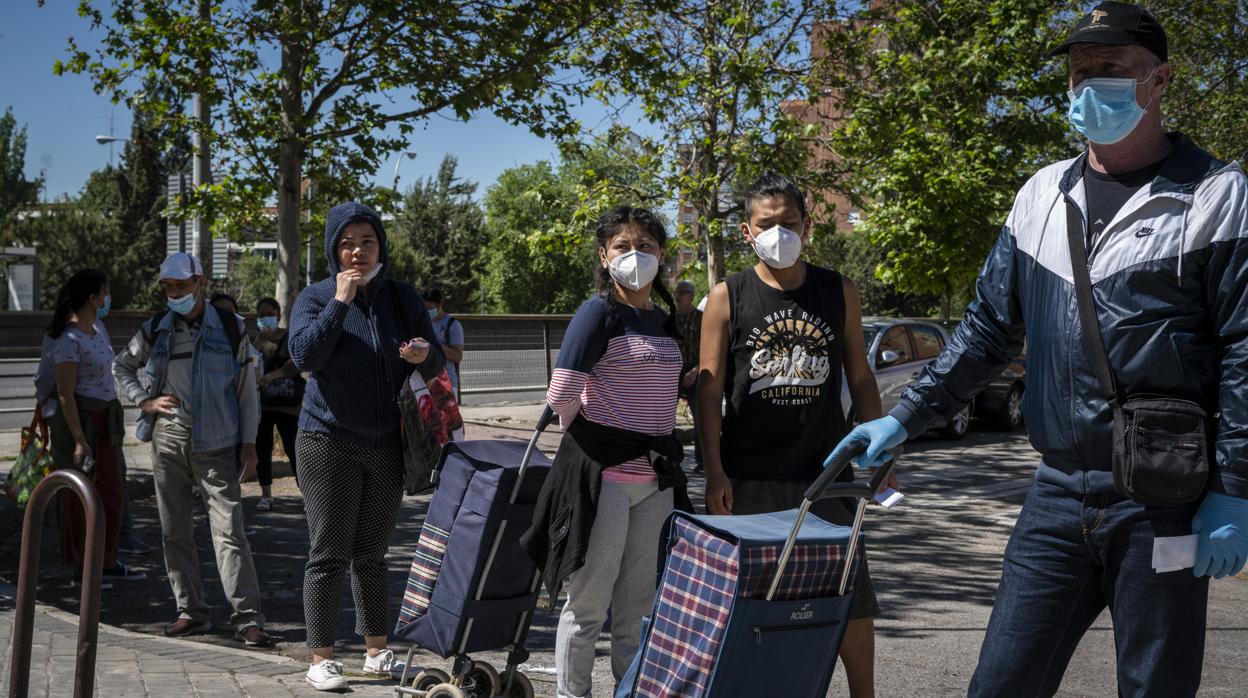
x=568, y=503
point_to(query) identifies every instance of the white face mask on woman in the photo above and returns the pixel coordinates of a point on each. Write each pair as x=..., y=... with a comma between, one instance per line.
x=634, y=270
x=372, y=273
x=778, y=247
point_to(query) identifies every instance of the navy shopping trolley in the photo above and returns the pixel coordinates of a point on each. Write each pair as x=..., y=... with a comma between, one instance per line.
x=472, y=588
x=752, y=605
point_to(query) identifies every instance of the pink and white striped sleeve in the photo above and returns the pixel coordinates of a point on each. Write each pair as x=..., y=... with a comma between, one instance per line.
x=566, y=394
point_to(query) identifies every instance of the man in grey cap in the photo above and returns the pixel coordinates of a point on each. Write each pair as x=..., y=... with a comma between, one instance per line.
x=188, y=369
x=1127, y=267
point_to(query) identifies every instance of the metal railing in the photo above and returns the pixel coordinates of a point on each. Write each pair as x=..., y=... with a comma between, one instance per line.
x=28, y=577
x=502, y=353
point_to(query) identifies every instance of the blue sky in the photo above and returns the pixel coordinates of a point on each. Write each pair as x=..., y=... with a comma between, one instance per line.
x=63, y=114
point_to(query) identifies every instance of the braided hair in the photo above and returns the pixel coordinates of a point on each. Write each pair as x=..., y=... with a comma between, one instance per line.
x=611, y=224
x=73, y=295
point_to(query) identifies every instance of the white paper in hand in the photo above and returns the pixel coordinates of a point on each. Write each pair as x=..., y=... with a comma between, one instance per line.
x=1174, y=553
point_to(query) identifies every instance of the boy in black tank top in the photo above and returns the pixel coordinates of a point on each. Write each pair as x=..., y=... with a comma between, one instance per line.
x=775, y=338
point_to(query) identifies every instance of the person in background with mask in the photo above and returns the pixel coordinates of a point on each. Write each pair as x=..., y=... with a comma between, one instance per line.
x=1161, y=228
x=281, y=396
x=614, y=389
x=87, y=429
x=359, y=336
x=775, y=339
x=191, y=377
x=450, y=332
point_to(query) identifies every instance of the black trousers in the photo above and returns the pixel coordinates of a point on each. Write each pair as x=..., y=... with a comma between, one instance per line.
x=287, y=427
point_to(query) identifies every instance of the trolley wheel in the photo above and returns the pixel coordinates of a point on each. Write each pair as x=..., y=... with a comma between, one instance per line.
x=481, y=681
x=521, y=687
x=445, y=690
x=428, y=678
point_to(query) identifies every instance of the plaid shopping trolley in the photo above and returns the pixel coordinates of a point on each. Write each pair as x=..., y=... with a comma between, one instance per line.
x=752, y=605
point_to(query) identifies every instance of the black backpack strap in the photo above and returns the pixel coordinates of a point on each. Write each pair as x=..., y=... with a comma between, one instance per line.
x=230, y=322
x=1093, y=343
x=149, y=332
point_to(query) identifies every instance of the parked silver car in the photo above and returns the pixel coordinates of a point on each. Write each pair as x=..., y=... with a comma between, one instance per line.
x=897, y=350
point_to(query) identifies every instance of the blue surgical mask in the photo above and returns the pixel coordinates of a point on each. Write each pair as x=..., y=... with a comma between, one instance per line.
x=267, y=323
x=1104, y=110
x=103, y=312
x=433, y=313
x=181, y=305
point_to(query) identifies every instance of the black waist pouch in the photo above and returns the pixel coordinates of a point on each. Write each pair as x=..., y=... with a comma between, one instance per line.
x=1161, y=450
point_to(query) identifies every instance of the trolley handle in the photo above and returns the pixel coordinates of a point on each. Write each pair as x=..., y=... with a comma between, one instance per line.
x=827, y=486
x=548, y=416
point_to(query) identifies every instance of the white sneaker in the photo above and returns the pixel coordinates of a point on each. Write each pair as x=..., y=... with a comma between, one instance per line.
x=326, y=676
x=384, y=663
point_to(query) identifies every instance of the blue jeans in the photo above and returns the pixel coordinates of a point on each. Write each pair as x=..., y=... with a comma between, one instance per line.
x=1072, y=555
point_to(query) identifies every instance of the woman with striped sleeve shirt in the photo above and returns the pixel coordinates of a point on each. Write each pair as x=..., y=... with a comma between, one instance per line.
x=614, y=388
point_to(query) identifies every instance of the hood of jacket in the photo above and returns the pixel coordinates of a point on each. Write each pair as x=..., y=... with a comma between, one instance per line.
x=338, y=219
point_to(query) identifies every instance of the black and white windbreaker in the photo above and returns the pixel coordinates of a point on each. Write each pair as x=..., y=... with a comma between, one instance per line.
x=1170, y=280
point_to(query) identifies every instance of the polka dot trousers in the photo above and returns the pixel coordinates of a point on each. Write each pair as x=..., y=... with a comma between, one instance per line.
x=351, y=497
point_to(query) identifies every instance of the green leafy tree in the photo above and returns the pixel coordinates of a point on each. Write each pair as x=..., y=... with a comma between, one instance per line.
x=858, y=258
x=944, y=110
x=302, y=88
x=133, y=198
x=15, y=190
x=532, y=263
x=117, y=223
x=71, y=237
x=1208, y=96
x=715, y=77
x=542, y=253
x=439, y=237
x=254, y=280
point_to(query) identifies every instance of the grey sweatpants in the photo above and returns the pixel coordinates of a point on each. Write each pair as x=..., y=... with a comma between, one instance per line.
x=175, y=469
x=621, y=566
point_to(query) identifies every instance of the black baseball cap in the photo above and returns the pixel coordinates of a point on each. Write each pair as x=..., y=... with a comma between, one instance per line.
x=1118, y=24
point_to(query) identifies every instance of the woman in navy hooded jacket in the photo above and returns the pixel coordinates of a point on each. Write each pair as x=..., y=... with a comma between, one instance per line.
x=359, y=335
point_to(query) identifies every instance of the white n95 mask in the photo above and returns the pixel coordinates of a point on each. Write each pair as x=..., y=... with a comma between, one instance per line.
x=634, y=270
x=372, y=273
x=778, y=247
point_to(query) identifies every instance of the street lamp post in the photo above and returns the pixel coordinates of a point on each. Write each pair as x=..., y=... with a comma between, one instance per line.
x=398, y=161
x=109, y=141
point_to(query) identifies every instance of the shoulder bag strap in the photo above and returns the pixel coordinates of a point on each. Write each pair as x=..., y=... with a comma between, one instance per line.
x=1093, y=344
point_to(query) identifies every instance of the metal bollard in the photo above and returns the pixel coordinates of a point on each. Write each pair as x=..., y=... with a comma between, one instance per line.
x=28, y=572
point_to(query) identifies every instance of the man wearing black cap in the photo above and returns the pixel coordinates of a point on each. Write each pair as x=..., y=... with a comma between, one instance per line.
x=1141, y=420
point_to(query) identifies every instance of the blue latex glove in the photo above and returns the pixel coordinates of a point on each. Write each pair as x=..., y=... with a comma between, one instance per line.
x=879, y=435
x=1222, y=524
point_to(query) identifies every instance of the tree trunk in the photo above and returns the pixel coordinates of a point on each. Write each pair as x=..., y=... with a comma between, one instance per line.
x=290, y=152
x=201, y=173
x=714, y=259
x=289, y=175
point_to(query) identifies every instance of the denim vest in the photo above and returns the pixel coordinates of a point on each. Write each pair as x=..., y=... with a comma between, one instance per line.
x=214, y=383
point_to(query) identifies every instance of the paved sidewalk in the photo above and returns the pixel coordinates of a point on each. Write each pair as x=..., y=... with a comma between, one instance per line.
x=935, y=559
x=145, y=663
x=134, y=664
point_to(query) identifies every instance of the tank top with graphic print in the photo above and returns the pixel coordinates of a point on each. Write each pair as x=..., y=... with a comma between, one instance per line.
x=783, y=380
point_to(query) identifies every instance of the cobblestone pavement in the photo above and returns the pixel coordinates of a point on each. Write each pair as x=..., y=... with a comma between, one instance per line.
x=935, y=560
x=133, y=664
